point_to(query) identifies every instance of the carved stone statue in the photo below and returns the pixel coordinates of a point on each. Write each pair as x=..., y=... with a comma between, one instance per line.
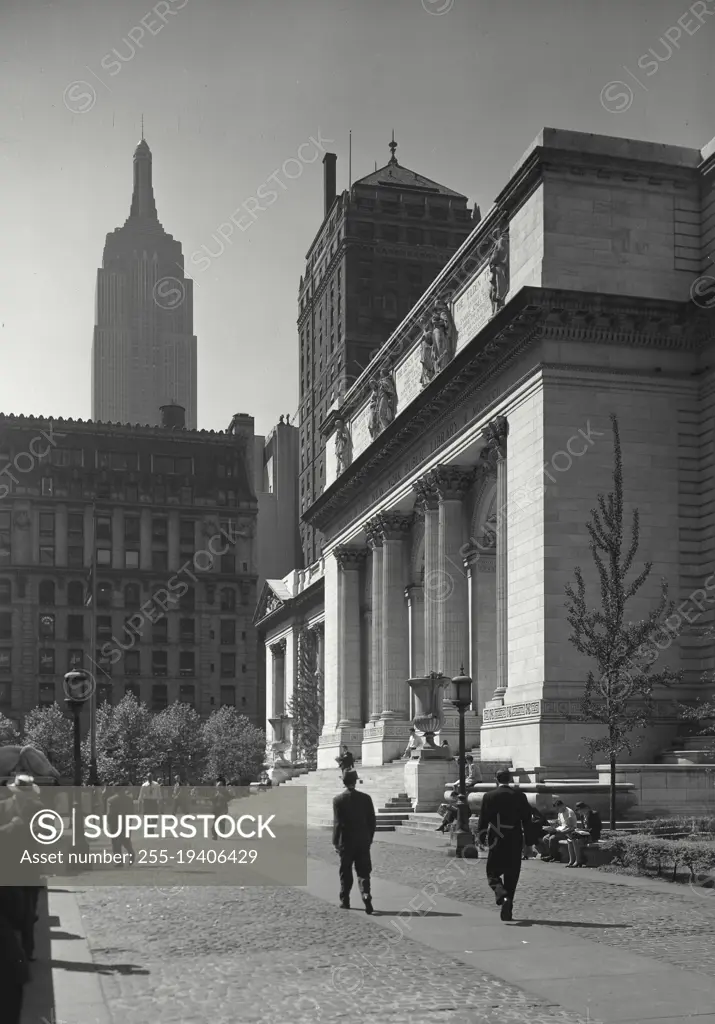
x=372, y=413
x=343, y=446
x=386, y=399
x=498, y=272
x=426, y=353
x=444, y=336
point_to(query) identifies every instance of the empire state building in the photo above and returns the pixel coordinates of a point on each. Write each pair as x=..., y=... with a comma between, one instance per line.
x=144, y=349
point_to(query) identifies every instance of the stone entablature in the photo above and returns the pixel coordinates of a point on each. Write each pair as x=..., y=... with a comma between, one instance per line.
x=571, y=217
x=557, y=710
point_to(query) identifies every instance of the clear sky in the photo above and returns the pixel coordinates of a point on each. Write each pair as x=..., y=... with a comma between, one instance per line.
x=230, y=90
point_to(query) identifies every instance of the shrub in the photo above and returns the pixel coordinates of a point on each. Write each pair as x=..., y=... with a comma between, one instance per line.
x=653, y=853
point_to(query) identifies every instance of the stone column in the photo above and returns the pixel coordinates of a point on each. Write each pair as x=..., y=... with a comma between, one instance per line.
x=495, y=436
x=350, y=561
x=374, y=540
x=278, y=651
x=173, y=554
x=427, y=504
x=395, y=640
x=452, y=484
x=414, y=595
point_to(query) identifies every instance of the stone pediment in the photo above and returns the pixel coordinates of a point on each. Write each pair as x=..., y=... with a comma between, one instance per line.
x=274, y=596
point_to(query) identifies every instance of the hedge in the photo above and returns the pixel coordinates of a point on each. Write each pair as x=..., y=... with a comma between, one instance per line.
x=648, y=853
x=682, y=823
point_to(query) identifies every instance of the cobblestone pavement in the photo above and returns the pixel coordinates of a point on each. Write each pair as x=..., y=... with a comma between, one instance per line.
x=195, y=956
x=669, y=926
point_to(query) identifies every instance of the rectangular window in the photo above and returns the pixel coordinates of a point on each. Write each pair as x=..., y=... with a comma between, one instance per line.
x=186, y=663
x=186, y=496
x=160, y=560
x=104, y=556
x=47, y=627
x=104, y=627
x=131, y=493
x=47, y=663
x=75, y=557
x=132, y=663
x=76, y=490
x=75, y=660
x=46, y=694
x=104, y=528
x=5, y=591
x=75, y=524
x=186, y=631
x=67, y=457
x=162, y=464
x=131, y=529
x=159, y=530
x=131, y=559
x=133, y=688
x=186, y=534
x=47, y=527
x=5, y=534
x=159, y=699
x=159, y=663
x=187, y=694
x=105, y=693
x=5, y=660
x=75, y=627
x=228, y=696
x=228, y=631
x=228, y=666
x=47, y=555
x=228, y=564
x=47, y=487
x=160, y=632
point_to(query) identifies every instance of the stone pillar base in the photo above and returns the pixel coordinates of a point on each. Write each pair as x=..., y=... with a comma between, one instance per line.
x=330, y=743
x=450, y=731
x=385, y=740
x=426, y=779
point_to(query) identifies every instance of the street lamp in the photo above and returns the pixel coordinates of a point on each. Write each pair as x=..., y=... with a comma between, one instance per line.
x=78, y=686
x=461, y=696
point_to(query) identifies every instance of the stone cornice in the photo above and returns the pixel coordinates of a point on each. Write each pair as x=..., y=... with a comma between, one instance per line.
x=533, y=314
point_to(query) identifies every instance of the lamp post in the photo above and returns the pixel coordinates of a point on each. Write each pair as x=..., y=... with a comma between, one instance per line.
x=78, y=686
x=461, y=696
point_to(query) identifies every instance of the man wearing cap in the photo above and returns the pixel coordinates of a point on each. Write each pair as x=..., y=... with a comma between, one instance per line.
x=504, y=824
x=353, y=832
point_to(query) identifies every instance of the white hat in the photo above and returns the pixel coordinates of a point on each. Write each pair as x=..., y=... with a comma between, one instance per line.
x=24, y=782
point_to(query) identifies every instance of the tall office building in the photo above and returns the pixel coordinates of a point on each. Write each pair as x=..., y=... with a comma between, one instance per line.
x=144, y=350
x=381, y=243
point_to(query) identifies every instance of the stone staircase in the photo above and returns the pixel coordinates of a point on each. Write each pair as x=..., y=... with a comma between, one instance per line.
x=385, y=784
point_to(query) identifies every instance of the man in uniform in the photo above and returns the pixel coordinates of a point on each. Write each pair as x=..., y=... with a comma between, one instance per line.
x=504, y=825
x=353, y=832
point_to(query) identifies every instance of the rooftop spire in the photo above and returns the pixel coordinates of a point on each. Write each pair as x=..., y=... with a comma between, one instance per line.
x=393, y=147
x=143, y=204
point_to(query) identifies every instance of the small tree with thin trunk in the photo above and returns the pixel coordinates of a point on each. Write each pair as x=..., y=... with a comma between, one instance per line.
x=619, y=695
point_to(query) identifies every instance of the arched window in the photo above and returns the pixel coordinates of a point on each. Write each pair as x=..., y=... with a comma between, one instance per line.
x=104, y=595
x=75, y=594
x=228, y=600
x=5, y=591
x=132, y=595
x=47, y=592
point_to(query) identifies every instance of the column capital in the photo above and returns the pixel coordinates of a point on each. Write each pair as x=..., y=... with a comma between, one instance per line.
x=452, y=483
x=350, y=558
x=278, y=648
x=426, y=496
x=394, y=525
x=318, y=629
x=495, y=438
x=374, y=536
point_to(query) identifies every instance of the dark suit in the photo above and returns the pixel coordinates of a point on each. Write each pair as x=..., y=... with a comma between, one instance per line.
x=353, y=831
x=504, y=821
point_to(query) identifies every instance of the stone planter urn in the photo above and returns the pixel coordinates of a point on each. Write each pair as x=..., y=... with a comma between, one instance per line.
x=429, y=717
x=281, y=738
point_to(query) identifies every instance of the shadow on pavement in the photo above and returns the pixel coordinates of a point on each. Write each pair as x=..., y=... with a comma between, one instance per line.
x=64, y=935
x=427, y=913
x=528, y=922
x=124, y=969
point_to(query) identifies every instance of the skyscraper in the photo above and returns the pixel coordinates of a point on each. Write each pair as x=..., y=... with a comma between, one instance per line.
x=144, y=350
x=380, y=245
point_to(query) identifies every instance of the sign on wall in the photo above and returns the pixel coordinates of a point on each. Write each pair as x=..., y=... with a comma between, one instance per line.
x=472, y=309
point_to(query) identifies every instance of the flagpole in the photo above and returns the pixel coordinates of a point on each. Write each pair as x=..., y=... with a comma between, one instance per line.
x=93, y=779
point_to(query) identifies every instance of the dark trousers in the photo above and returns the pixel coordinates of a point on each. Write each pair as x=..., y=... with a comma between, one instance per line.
x=11, y=1000
x=359, y=858
x=504, y=864
x=31, y=895
x=123, y=842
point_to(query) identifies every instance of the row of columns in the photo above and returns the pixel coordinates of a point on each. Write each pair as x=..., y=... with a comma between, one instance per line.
x=432, y=629
x=282, y=681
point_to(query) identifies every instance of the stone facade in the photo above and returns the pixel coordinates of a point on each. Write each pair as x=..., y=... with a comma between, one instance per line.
x=481, y=486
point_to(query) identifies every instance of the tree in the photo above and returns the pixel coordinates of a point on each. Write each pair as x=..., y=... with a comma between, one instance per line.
x=620, y=695
x=177, y=743
x=305, y=706
x=52, y=732
x=234, y=747
x=703, y=713
x=124, y=741
x=9, y=733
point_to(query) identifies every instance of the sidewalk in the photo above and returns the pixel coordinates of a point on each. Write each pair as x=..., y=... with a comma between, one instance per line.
x=579, y=976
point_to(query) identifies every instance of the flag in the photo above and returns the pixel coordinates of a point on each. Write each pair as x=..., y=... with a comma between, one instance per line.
x=89, y=583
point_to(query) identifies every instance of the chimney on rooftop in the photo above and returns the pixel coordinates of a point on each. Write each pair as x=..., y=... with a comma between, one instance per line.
x=173, y=417
x=329, y=162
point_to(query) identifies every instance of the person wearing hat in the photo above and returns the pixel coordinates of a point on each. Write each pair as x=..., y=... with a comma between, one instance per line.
x=504, y=825
x=353, y=831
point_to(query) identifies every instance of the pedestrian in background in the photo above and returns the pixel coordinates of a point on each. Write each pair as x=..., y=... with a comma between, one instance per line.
x=149, y=796
x=219, y=803
x=119, y=806
x=354, y=825
x=504, y=825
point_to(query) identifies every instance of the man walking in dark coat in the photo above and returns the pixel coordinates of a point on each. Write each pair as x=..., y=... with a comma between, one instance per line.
x=353, y=832
x=504, y=825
